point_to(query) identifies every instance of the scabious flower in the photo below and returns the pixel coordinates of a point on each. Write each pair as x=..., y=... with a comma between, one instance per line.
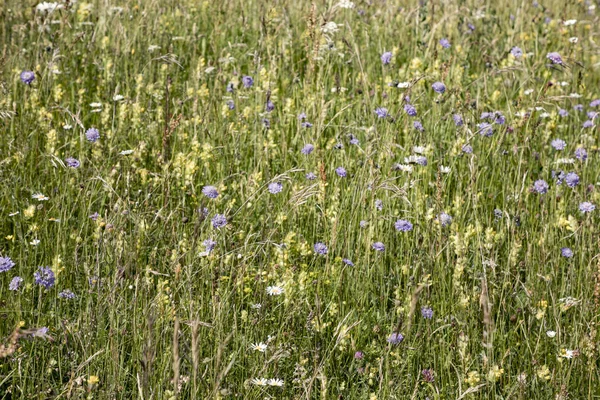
x=359, y=355
x=307, y=149
x=320, y=248
x=485, y=129
x=445, y=43
x=566, y=252
x=555, y=58
x=27, y=77
x=311, y=176
x=588, y=124
x=444, y=219
x=247, y=81
x=427, y=312
x=67, y=294
x=230, y=87
x=348, y=262
x=379, y=204
x=516, y=52
x=418, y=126
x=403, y=225
x=578, y=107
x=94, y=216
x=15, y=283
x=428, y=375
x=72, y=162
x=386, y=57
x=410, y=110
x=439, y=87
x=381, y=112
x=595, y=103
x=6, y=264
x=230, y=104
x=558, y=144
x=572, y=179
x=458, y=120
x=270, y=106
x=209, y=245
x=363, y=224
x=378, y=246
x=497, y=213
x=563, y=113
x=219, y=221
x=540, y=186
x=210, y=191
x=275, y=187
x=341, y=172
x=586, y=207
x=306, y=124
x=92, y=135
x=467, y=148
x=44, y=277
x=395, y=338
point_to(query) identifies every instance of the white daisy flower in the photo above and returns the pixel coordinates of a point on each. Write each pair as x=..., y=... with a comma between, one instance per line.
x=34, y=242
x=262, y=347
x=39, y=197
x=126, y=152
x=274, y=290
x=404, y=85
x=260, y=381
x=570, y=22
x=550, y=334
x=275, y=382
x=444, y=170
x=118, y=97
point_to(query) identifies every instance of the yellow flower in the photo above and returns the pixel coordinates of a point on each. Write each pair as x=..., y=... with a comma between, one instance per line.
x=93, y=379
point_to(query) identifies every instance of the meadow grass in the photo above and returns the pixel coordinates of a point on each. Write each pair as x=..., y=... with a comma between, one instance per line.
x=490, y=291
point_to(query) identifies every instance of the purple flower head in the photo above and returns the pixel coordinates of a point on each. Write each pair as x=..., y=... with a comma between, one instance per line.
x=320, y=248
x=219, y=221
x=458, y=120
x=558, y=144
x=209, y=245
x=563, y=113
x=230, y=87
x=338, y=146
x=566, y=252
x=92, y=135
x=486, y=115
x=410, y=110
x=485, y=129
x=354, y=140
x=379, y=204
x=586, y=207
x=588, y=124
x=311, y=176
x=27, y=77
x=348, y=262
x=595, y=103
x=341, y=172
x=555, y=58
x=439, y=87
x=306, y=124
x=592, y=114
x=275, y=187
x=421, y=160
x=363, y=224
x=270, y=106
x=428, y=375
x=578, y=107
x=378, y=246
x=67, y=294
x=403, y=225
x=307, y=149
x=427, y=312
x=471, y=27
x=6, y=264
x=44, y=277
x=94, y=216
x=418, y=126
x=359, y=355
x=445, y=43
x=266, y=123
x=72, y=162
x=395, y=338
x=247, y=81
x=444, y=219
x=386, y=57
x=381, y=112
x=499, y=118
x=210, y=191
x=540, y=186
x=572, y=179
x=467, y=148
x=498, y=213
x=230, y=104
x=15, y=283
x=302, y=116
x=516, y=52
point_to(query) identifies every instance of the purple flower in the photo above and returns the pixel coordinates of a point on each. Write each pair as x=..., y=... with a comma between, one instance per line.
x=15, y=283
x=516, y=52
x=566, y=252
x=381, y=112
x=230, y=87
x=348, y=262
x=209, y=245
x=592, y=114
x=555, y=58
x=94, y=216
x=247, y=81
x=445, y=43
x=428, y=375
x=219, y=221
x=341, y=172
x=92, y=135
x=588, y=124
x=410, y=110
x=458, y=119
x=67, y=294
x=485, y=129
x=307, y=149
x=230, y=104
x=27, y=77
x=421, y=160
x=563, y=112
x=439, y=87
x=395, y=338
x=275, y=187
x=403, y=225
x=418, y=126
x=359, y=355
x=311, y=176
x=467, y=148
x=379, y=204
x=378, y=246
x=386, y=57
x=558, y=144
x=444, y=219
x=6, y=264
x=572, y=179
x=72, y=162
x=302, y=116
x=306, y=124
x=266, y=123
x=540, y=186
x=210, y=191
x=270, y=106
x=320, y=248
x=586, y=207
x=578, y=107
x=595, y=103
x=44, y=277
x=497, y=213
x=363, y=224
x=499, y=119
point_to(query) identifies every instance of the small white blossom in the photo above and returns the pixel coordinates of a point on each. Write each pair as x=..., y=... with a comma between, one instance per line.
x=345, y=4
x=570, y=22
x=274, y=290
x=262, y=347
x=550, y=334
x=39, y=197
x=404, y=85
x=330, y=27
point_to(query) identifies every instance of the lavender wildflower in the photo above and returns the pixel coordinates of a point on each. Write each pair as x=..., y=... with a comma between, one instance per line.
x=359, y=355
x=306, y=124
x=540, y=186
x=386, y=57
x=410, y=110
x=275, y=187
x=428, y=375
x=15, y=283
x=72, y=162
x=458, y=120
x=247, y=81
x=403, y=225
x=379, y=204
x=209, y=245
x=558, y=144
x=586, y=207
x=311, y=176
x=572, y=179
x=27, y=77
x=467, y=148
x=363, y=224
x=563, y=113
x=445, y=43
x=270, y=106
x=210, y=191
x=418, y=126
x=348, y=262
x=444, y=219
x=378, y=246
x=555, y=58
x=94, y=216
x=578, y=107
x=67, y=294
x=92, y=135
x=341, y=172
x=6, y=264
x=588, y=124
x=44, y=277
x=439, y=87
x=219, y=221
x=266, y=123
x=485, y=129
x=230, y=104
x=381, y=112
x=320, y=248
x=427, y=312
x=395, y=338
x=595, y=103
x=566, y=252
x=516, y=52
x=230, y=87
x=307, y=149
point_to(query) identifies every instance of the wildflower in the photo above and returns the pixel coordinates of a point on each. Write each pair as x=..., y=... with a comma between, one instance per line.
x=578, y=107
x=341, y=172
x=210, y=192
x=209, y=245
x=485, y=129
x=563, y=113
x=418, y=126
x=551, y=334
x=247, y=81
x=427, y=312
x=497, y=213
x=445, y=170
x=219, y=221
x=386, y=57
x=566, y=252
x=467, y=148
x=320, y=248
x=118, y=97
x=94, y=216
x=266, y=123
x=34, y=242
x=588, y=124
x=555, y=58
x=72, y=162
x=379, y=204
x=558, y=144
x=262, y=347
x=46, y=7
x=66, y=294
x=125, y=152
x=275, y=382
x=6, y=264
x=381, y=112
x=359, y=355
x=348, y=262
x=275, y=187
x=230, y=87
x=586, y=207
x=428, y=375
x=363, y=224
x=345, y=4
x=92, y=135
x=230, y=104
x=564, y=353
x=44, y=277
x=39, y=197
x=439, y=87
x=444, y=219
x=307, y=149
x=516, y=52
x=410, y=110
x=403, y=85
x=403, y=225
x=378, y=246
x=27, y=77
x=311, y=176
x=15, y=283
x=445, y=43
x=270, y=106
x=329, y=27
x=259, y=381
x=395, y=338
x=458, y=119
x=540, y=186
x=306, y=124
x=274, y=290
x=572, y=179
